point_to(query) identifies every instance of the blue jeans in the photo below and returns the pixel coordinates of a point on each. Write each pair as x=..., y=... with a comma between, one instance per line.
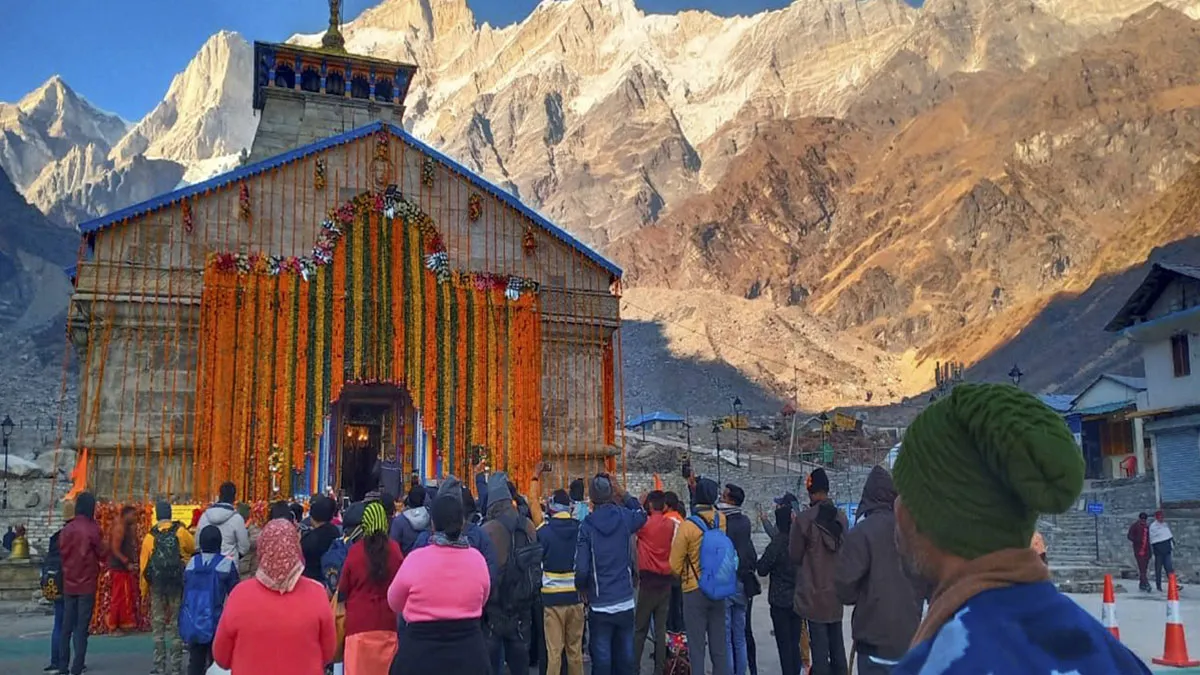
x=55, y=638
x=612, y=643
x=735, y=638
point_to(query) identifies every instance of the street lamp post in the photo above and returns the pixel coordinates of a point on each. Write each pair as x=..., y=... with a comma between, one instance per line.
x=1015, y=375
x=737, y=431
x=6, y=427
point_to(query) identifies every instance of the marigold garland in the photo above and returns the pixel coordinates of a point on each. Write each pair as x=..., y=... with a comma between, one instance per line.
x=282, y=340
x=427, y=172
x=189, y=221
x=319, y=173
x=244, y=210
x=529, y=241
x=474, y=207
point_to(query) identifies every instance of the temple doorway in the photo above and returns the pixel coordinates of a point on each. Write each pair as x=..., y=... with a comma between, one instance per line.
x=371, y=430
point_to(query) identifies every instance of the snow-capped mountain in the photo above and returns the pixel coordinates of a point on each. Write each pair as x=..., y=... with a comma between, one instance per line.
x=49, y=123
x=206, y=112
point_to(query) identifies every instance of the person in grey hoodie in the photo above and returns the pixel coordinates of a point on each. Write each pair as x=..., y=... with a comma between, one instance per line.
x=235, y=541
x=508, y=635
x=887, y=602
x=412, y=521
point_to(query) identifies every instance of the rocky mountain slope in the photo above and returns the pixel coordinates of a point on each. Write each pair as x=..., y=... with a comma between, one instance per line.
x=910, y=226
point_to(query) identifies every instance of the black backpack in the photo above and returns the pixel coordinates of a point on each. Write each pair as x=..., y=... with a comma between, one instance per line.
x=52, y=572
x=164, y=570
x=520, y=583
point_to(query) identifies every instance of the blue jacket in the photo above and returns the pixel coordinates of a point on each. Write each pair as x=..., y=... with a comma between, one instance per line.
x=1018, y=630
x=603, y=558
x=408, y=525
x=558, y=536
x=478, y=540
x=205, y=589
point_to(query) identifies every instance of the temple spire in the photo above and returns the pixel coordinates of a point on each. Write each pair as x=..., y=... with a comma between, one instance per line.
x=333, y=40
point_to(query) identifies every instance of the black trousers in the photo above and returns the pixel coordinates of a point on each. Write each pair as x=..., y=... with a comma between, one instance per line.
x=77, y=615
x=788, y=625
x=199, y=658
x=828, y=648
x=512, y=649
x=751, y=650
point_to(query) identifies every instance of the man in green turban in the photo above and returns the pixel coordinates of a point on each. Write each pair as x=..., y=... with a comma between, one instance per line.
x=975, y=470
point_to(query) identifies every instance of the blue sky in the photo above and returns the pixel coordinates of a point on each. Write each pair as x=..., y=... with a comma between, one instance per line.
x=122, y=54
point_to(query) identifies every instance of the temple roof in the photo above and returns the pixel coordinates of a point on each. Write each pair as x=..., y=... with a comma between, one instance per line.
x=250, y=170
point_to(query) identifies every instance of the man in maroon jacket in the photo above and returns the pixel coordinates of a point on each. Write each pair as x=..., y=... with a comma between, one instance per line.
x=1139, y=536
x=82, y=549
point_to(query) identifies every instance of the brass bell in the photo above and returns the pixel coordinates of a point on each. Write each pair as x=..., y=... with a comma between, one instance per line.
x=20, y=548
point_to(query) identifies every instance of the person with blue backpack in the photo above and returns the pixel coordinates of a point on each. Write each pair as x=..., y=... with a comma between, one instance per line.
x=207, y=581
x=706, y=562
x=603, y=572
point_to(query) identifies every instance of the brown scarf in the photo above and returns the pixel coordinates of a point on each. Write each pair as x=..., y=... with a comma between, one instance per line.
x=1001, y=569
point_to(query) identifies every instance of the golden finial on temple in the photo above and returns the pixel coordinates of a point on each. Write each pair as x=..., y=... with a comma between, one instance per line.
x=333, y=39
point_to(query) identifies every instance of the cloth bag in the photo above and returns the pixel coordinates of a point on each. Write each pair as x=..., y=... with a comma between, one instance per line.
x=339, y=628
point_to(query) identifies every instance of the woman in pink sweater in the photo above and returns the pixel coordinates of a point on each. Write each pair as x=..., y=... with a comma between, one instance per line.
x=277, y=622
x=443, y=633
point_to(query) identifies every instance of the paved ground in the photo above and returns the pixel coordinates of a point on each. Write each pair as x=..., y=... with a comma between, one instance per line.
x=25, y=638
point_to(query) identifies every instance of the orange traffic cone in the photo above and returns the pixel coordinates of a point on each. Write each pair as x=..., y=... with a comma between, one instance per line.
x=1108, y=610
x=1175, y=644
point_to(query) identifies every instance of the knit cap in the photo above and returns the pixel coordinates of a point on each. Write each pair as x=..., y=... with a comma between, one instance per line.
x=978, y=466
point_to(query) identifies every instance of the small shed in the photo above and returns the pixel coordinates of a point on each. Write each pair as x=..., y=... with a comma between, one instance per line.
x=1109, y=436
x=658, y=420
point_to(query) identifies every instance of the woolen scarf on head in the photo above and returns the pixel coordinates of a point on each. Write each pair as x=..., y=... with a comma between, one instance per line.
x=374, y=519
x=978, y=466
x=280, y=561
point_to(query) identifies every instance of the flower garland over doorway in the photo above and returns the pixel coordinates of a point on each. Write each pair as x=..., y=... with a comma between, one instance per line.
x=375, y=302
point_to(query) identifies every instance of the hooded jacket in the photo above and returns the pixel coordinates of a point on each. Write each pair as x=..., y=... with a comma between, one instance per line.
x=814, y=543
x=474, y=534
x=887, y=602
x=408, y=525
x=558, y=537
x=187, y=546
x=235, y=541
x=1139, y=536
x=502, y=518
x=603, y=556
x=776, y=564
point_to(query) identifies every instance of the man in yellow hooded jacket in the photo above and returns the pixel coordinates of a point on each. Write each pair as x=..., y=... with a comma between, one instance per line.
x=703, y=619
x=165, y=594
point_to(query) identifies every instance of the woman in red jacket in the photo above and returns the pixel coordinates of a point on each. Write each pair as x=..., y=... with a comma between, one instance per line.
x=277, y=622
x=370, y=624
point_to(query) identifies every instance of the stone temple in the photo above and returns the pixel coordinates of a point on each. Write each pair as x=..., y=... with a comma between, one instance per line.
x=349, y=307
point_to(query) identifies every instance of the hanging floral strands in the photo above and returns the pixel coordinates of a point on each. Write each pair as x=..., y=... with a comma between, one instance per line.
x=189, y=221
x=319, y=173
x=244, y=211
x=529, y=241
x=427, y=172
x=382, y=144
x=392, y=205
x=474, y=207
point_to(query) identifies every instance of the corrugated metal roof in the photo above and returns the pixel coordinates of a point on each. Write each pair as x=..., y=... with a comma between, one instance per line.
x=1138, y=383
x=1143, y=298
x=243, y=172
x=1058, y=402
x=1104, y=408
x=656, y=416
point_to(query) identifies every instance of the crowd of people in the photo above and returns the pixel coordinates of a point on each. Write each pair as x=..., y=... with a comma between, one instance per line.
x=938, y=568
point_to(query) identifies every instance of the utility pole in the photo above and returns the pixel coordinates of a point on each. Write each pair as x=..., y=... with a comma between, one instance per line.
x=795, y=414
x=643, y=409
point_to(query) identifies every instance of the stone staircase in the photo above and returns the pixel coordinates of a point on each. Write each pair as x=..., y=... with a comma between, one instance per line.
x=1071, y=551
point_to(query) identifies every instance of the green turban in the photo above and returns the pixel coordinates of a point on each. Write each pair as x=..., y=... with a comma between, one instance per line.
x=978, y=466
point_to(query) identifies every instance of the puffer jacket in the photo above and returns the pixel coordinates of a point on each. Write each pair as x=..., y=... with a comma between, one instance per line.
x=814, y=543
x=235, y=541
x=776, y=564
x=887, y=602
x=604, y=555
x=409, y=524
